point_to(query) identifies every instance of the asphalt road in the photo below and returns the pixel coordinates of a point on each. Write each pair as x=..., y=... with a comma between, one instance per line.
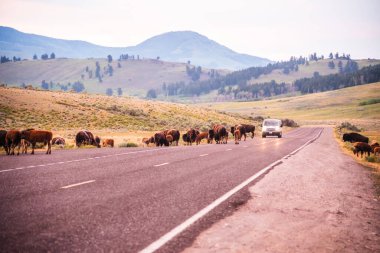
x=122, y=200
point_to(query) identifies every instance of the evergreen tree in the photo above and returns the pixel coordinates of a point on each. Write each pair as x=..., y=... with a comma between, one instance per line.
x=77, y=86
x=52, y=56
x=331, y=56
x=340, y=66
x=109, y=92
x=35, y=57
x=119, y=92
x=151, y=93
x=109, y=58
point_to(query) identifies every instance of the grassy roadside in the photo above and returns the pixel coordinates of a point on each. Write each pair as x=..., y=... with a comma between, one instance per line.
x=372, y=162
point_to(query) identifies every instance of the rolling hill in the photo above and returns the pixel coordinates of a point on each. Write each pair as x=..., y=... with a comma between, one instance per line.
x=331, y=107
x=135, y=77
x=182, y=46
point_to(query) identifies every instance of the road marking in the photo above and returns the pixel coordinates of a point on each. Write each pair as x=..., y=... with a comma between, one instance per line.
x=180, y=228
x=158, y=165
x=245, y=146
x=203, y=155
x=229, y=149
x=77, y=184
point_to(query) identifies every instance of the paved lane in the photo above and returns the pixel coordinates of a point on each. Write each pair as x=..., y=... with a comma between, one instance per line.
x=122, y=199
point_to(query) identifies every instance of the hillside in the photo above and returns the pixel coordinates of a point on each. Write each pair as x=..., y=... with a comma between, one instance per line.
x=180, y=46
x=320, y=66
x=20, y=108
x=330, y=107
x=135, y=77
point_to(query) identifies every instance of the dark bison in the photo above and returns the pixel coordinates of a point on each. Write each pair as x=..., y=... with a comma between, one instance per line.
x=13, y=140
x=190, y=136
x=160, y=139
x=175, y=134
x=248, y=129
x=186, y=139
x=58, y=141
x=355, y=137
x=362, y=147
x=220, y=134
x=86, y=138
x=34, y=136
x=3, y=133
x=211, y=135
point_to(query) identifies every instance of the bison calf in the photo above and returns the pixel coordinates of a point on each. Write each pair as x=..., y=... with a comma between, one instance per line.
x=108, y=143
x=362, y=147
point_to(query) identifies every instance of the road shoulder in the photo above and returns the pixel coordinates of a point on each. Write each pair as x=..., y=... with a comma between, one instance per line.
x=318, y=200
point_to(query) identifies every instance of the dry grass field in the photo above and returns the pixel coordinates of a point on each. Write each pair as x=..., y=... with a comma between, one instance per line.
x=332, y=107
x=123, y=118
x=135, y=77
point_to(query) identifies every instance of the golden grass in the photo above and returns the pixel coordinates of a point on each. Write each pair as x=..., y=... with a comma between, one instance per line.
x=332, y=107
x=123, y=119
x=347, y=148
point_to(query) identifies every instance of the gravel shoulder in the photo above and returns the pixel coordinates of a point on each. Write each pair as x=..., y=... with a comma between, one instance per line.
x=318, y=200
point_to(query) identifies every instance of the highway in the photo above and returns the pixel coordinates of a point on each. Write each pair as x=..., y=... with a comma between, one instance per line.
x=128, y=200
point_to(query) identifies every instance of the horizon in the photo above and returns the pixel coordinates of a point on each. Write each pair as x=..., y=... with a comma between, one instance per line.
x=290, y=29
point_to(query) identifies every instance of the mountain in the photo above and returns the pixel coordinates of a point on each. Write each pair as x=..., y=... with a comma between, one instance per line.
x=180, y=46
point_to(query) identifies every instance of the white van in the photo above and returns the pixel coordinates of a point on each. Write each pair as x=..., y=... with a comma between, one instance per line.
x=271, y=127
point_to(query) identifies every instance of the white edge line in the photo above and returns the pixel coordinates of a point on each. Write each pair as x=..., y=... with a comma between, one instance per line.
x=180, y=228
x=162, y=164
x=73, y=185
x=203, y=155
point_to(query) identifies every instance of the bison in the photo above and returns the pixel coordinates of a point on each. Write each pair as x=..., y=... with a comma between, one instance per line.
x=58, y=141
x=220, y=134
x=237, y=135
x=362, y=147
x=211, y=135
x=175, y=134
x=86, y=138
x=169, y=138
x=13, y=140
x=108, y=143
x=3, y=134
x=248, y=129
x=34, y=136
x=201, y=136
x=160, y=139
x=354, y=137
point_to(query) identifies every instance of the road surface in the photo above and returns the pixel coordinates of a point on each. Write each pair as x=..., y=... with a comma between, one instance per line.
x=125, y=200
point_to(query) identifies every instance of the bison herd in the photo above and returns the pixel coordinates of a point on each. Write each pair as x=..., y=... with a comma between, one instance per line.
x=217, y=133
x=12, y=139
x=15, y=139
x=361, y=144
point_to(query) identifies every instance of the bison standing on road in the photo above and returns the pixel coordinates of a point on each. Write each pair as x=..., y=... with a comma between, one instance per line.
x=86, y=138
x=220, y=134
x=355, y=137
x=248, y=129
x=13, y=139
x=34, y=136
x=3, y=133
x=160, y=139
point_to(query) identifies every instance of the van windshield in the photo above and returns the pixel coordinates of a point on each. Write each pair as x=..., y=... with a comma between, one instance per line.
x=272, y=123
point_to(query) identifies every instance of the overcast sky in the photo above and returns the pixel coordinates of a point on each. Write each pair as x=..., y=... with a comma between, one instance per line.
x=275, y=29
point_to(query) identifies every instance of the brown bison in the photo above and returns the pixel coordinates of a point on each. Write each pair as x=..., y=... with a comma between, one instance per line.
x=376, y=150
x=190, y=136
x=34, y=136
x=186, y=139
x=201, y=136
x=148, y=140
x=3, y=134
x=362, y=147
x=237, y=135
x=354, y=137
x=175, y=134
x=211, y=135
x=220, y=134
x=24, y=146
x=169, y=138
x=86, y=138
x=108, y=143
x=13, y=140
x=160, y=139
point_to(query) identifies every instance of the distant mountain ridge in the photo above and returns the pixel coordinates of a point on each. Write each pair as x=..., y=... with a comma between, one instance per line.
x=179, y=46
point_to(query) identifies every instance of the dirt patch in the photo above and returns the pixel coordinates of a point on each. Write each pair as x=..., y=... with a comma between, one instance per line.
x=318, y=200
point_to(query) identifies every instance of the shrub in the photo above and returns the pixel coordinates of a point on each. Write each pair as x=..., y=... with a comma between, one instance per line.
x=289, y=123
x=349, y=126
x=128, y=145
x=370, y=101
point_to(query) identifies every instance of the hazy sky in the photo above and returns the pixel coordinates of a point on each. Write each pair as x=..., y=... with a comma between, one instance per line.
x=275, y=29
